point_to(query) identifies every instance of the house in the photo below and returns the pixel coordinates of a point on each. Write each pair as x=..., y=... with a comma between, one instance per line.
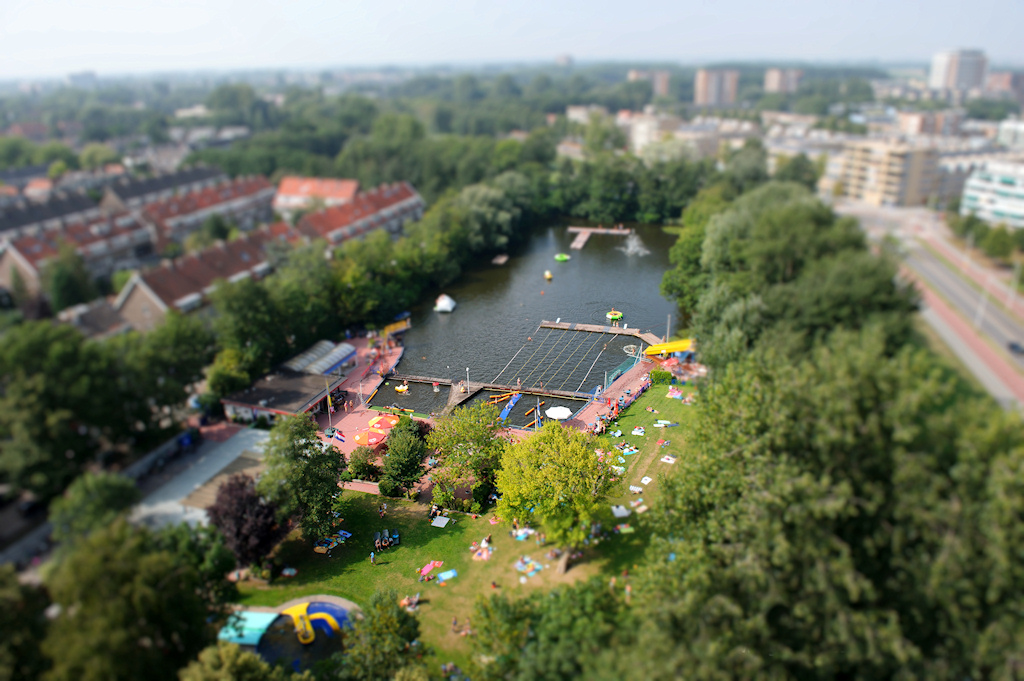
x=105, y=243
x=302, y=193
x=299, y=385
x=184, y=283
x=97, y=320
x=389, y=206
x=246, y=201
x=61, y=208
x=129, y=193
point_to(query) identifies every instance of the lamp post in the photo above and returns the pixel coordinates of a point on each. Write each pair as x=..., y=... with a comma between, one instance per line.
x=467, y=376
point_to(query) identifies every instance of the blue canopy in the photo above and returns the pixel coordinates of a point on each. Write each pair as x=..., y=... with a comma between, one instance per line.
x=246, y=628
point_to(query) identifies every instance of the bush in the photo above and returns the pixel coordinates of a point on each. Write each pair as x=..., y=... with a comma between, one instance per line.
x=442, y=497
x=390, y=487
x=475, y=507
x=480, y=491
x=361, y=465
x=658, y=377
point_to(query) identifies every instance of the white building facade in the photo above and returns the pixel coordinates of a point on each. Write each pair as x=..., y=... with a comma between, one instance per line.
x=995, y=193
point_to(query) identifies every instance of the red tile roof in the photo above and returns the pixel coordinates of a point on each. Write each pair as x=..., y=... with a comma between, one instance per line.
x=365, y=205
x=325, y=188
x=176, y=206
x=82, y=235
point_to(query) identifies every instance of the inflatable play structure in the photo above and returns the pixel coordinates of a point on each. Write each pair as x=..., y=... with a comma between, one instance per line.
x=444, y=303
x=562, y=257
x=668, y=348
x=308, y=618
x=401, y=388
x=614, y=315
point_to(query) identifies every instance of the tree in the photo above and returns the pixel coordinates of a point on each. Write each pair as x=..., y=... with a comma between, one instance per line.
x=798, y=169
x=95, y=156
x=128, y=610
x=687, y=280
x=228, y=374
x=469, y=446
x=747, y=167
x=360, y=464
x=67, y=280
x=225, y=661
x=379, y=645
x=203, y=549
x=249, y=322
x=998, y=243
x=403, y=465
x=93, y=501
x=246, y=522
x=22, y=628
x=555, y=635
x=553, y=478
x=302, y=475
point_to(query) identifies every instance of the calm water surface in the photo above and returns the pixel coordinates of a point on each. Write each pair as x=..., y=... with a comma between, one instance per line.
x=499, y=307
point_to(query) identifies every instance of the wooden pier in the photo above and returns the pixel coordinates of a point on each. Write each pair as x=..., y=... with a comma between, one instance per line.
x=646, y=337
x=457, y=397
x=583, y=234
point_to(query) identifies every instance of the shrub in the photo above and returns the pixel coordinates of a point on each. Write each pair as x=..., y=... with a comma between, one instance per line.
x=443, y=497
x=361, y=465
x=390, y=487
x=658, y=377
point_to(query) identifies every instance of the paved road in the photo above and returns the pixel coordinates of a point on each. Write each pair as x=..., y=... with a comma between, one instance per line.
x=994, y=323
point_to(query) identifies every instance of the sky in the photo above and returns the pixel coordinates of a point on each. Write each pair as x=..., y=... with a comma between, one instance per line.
x=46, y=38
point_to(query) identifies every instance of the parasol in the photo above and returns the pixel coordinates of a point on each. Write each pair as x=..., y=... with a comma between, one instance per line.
x=370, y=436
x=558, y=413
x=384, y=421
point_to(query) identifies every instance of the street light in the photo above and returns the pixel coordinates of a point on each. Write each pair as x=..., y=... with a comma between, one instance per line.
x=467, y=375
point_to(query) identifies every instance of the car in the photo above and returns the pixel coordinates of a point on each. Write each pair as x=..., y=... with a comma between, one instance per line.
x=1015, y=347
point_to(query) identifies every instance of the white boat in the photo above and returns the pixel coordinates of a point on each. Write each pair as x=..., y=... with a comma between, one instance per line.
x=444, y=303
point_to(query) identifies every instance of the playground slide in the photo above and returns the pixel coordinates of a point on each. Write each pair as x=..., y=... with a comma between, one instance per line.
x=508, y=407
x=666, y=348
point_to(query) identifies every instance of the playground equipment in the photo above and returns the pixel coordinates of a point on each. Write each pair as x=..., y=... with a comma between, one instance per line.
x=308, y=618
x=668, y=348
x=614, y=315
x=508, y=407
x=563, y=257
x=533, y=409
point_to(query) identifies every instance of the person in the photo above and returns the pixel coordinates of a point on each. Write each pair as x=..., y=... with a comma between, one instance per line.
x=487, y=540
x=376, y=545
x=372, y=561
x=466, y=630
x=455, y=624
x=519, y=383
x=494, y=585
x=515, y=524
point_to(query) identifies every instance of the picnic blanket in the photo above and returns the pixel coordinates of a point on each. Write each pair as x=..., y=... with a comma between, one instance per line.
x=619, y=470
x=425, y=570
x=675, y=394
x=440, y=521
x=528, y=565
x=620, y=511
x=446, y=575
x=343, y=534
x=643, y=509
x=646, y=480
x=639, y=431
x=668, y=459
x=522, y=533
x=494, y=520
x=483, y=554
x=625, y=528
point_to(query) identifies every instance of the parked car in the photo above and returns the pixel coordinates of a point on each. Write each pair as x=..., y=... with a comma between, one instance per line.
x=1015, y=347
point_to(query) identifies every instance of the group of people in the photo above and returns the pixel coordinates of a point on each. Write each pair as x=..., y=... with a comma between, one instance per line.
x=382, y=510
x=435, y=511
x=383, y=542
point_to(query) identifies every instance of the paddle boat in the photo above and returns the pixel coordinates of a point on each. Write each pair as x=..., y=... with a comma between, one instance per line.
x=444, y=303
x=563, y=257
x=547, y=275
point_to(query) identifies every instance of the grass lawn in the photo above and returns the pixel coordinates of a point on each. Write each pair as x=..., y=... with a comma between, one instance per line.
x=348, y=572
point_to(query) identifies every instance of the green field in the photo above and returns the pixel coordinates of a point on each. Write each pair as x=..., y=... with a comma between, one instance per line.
x=348, y=572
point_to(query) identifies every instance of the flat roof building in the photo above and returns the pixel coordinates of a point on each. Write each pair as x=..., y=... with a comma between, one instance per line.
x=716, y=87
x=995, y=193
x=888, y=173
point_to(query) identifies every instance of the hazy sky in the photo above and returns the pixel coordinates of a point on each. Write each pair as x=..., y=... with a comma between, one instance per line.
x=54, y=37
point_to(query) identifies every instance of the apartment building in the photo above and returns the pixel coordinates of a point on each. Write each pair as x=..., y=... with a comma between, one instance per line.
x=995, y=193
x=958, y=70
x=716, y=87
x=888, y=173
x=782, y=80
x=930, y=122
x=659, y=80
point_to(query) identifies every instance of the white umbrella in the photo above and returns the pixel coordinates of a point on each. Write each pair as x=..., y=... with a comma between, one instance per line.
x=558, y=413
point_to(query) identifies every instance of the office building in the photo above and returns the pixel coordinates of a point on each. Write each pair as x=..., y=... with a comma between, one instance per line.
x=995, y=193
x=958, y=70
x=888, y=173
x=659, y=80
x=782, y=80
x=716, y=87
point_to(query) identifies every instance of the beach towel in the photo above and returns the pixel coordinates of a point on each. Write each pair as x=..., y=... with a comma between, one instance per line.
x=664, y=421
x=445, y=576
x=425, y=570
x=289, y=572
x=626, y=529
x=619, y=470
x=483, y=554
x=636, y=502
x=668, y=459
x=344, y=534
x=635, y=490
x=645, y=480
x=643, y=509
x=671, y=425
x=661, y=443
x=620, y=511
x=440, y=521
x=620, y=459
x=494, y=521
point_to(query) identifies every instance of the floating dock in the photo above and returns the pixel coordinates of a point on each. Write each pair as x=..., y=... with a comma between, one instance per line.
x=500, y=259
x=583, y=234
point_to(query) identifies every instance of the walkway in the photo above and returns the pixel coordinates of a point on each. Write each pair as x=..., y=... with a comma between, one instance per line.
x=583, y=234
x=164, y=506
x=646, y=337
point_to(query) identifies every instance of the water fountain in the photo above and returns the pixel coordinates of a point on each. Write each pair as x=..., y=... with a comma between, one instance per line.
x=634, y=246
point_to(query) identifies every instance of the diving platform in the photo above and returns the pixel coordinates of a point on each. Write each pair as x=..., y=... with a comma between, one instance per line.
x=646, y=337
x=583, y=234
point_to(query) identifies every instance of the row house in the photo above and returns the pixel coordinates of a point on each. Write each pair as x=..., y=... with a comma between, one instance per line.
x=184, y=283
x=387, y=207
x=132, y=193
x=106, y=243
x=21, y=216
x=246, y=201
x=303, y=193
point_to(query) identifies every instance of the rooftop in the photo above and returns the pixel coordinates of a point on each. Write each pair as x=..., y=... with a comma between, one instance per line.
x=202, y=199
x=58, y=206
x=285, y=391
x=134, y=187
x=364, y=205
x=325, y=188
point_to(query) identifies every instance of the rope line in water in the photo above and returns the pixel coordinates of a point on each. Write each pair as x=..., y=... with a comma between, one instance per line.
x=509, y=362
x=567, y=345
x=591, y=368
x=585, y=354
x=533, y=371
x=539, y=346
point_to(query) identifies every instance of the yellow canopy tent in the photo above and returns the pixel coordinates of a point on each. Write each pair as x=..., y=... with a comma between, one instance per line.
x=666, y=348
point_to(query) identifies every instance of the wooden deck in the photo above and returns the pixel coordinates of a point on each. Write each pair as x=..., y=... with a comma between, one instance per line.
x=647, y=337
x=457, y=397
x=583, y=234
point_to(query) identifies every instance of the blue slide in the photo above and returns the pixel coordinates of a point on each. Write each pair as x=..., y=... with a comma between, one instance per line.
x=508, y=407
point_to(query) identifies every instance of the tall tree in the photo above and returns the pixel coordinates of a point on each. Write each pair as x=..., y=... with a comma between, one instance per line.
x=302, y=475
x=67, y=280
x=246, y=522
x=93, y=501
x=128, y=611
x=553, y=478
x=225, y=661
x=380, y=643
x=22, y=628
x=469, y=446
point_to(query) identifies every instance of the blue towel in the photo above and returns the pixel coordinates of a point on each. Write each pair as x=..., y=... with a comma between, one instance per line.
x=445, y=576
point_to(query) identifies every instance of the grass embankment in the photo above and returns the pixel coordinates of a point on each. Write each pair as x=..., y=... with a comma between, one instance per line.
x=348, y=572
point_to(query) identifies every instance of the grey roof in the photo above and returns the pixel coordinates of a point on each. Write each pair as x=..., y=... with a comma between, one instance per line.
x=59, y=205
x=285, y=391
x=19, y=177
x=131, y=188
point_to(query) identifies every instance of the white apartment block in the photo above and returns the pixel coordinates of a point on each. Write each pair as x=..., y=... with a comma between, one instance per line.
x=995, y=193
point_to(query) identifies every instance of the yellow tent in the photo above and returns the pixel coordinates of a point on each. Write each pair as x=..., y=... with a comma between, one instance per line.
x=666, y=348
